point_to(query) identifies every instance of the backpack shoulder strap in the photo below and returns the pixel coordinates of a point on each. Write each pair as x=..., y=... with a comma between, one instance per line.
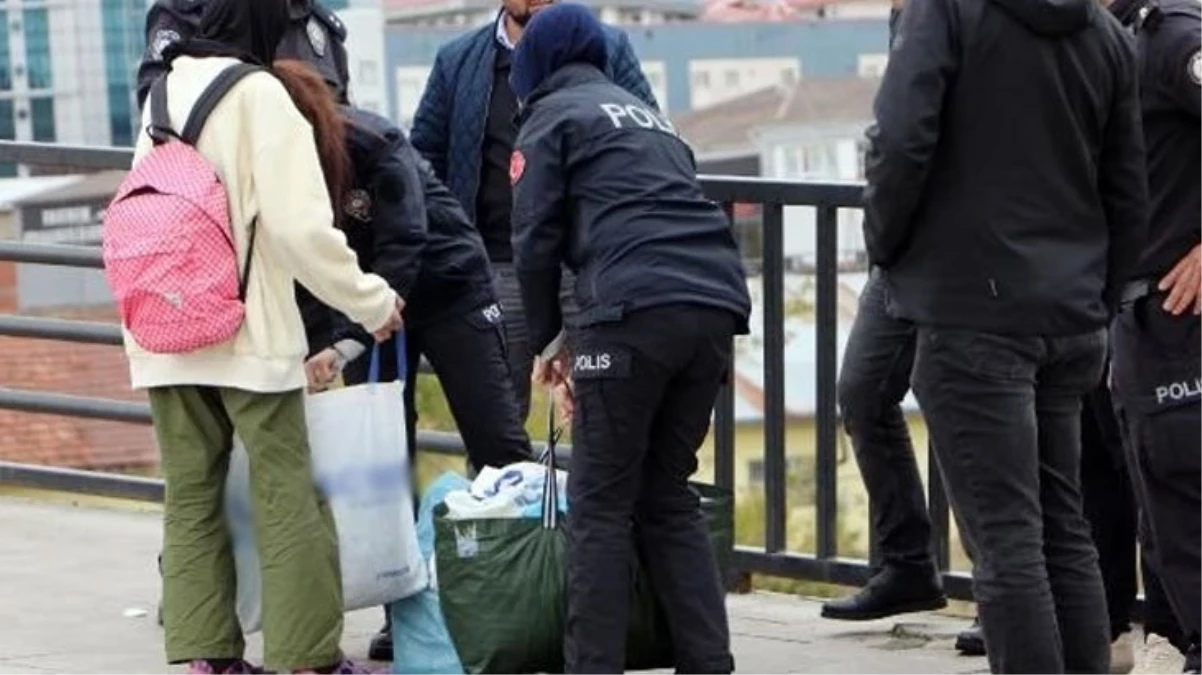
x=160, y=119
x=210, y=98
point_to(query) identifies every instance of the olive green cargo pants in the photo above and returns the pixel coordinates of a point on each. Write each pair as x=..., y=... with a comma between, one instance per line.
x=294, y=530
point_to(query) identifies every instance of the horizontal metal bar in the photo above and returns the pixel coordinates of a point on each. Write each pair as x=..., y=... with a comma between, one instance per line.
x=54, y=154
x=840, y=571
x=64, y=330
x=48, y=403
x=139, y=488
x=787, y=192
x=76, y=481
x=718, y=188
x=113, y=410
x=85, y=332
x=51, y=254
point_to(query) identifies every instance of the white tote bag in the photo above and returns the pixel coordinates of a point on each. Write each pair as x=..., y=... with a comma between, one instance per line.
x=361, y=466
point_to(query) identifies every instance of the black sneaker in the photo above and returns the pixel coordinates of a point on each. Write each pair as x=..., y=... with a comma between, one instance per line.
x=381, y=645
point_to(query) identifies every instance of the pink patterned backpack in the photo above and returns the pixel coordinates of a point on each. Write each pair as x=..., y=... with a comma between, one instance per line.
x=169, y=252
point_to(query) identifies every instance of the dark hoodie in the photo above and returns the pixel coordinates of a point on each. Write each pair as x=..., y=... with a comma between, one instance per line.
x=313, y=34
x=1006, y=189
x=249, y=31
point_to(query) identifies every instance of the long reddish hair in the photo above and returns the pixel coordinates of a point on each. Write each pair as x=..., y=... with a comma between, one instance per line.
x=317, y=103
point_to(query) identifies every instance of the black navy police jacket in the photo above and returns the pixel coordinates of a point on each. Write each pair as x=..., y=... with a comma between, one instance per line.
x=604, y=184
x=406, y=226
x=383, y=216
x=1006, y=189
x=1170, y=54
x=315, y=36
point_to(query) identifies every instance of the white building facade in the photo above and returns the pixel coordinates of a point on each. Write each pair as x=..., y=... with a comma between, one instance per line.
x=828, y=152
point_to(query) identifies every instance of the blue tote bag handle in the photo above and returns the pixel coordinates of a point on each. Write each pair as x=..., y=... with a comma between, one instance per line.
x=402, y=362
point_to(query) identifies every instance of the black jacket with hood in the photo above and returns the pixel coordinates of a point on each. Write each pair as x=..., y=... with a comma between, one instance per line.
x=1006, y=188
x=603, y=184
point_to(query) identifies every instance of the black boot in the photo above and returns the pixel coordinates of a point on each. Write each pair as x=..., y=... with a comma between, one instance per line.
x=381, y=644
x=890, y=592
x=971, y=641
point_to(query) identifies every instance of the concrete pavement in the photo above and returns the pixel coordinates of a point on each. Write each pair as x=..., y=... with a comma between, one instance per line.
x=79, y=586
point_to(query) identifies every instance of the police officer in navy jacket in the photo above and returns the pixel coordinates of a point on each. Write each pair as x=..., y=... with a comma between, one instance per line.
x=464, y=126
x=603, y=185
x=1156, y=340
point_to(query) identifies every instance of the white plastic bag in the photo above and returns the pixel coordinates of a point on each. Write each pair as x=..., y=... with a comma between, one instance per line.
x=361, y=465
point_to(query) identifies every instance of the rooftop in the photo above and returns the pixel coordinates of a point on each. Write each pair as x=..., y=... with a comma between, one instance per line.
x=100, y=185
x=729, y=128
x=14, y=190
x=81, y=588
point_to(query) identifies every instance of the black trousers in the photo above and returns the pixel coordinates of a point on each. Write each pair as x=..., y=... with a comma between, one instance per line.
x=872, y=383
x=1157, y=387
x=644, y=389
x=468, y=354
x=517, y=336
x=1114, y=520
x=1004, y=415
x=1109, y=506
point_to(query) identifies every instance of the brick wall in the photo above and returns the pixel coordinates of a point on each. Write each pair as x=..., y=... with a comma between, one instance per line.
x=83, y=370
x=8, y=287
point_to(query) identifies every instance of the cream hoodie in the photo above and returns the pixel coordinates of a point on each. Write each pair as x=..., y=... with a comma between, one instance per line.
x=263, y=150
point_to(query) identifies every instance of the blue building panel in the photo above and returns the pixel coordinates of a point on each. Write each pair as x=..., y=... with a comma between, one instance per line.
x=825, y=48
x=124, y=44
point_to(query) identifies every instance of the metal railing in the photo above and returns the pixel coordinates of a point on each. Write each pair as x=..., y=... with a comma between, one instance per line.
x=773, y=558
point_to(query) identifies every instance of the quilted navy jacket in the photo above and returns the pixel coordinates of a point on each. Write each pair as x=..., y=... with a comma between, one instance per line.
x=448, y=127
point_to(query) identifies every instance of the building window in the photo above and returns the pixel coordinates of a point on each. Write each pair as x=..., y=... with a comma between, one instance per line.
x=37, y=48
x=732, y=78
x=872, y=65
x=42, y=110
x=6, y=81
x=8, y=131
x=121, y=111
x=124, y=42
x=807, y=162
x=788, y=77
x=701, y=79
x=629, y=16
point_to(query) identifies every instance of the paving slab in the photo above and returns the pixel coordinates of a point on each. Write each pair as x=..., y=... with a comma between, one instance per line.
x=79, y=587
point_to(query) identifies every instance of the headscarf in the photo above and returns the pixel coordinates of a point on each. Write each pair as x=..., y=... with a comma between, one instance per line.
x=248, y=30
x=558, y=35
